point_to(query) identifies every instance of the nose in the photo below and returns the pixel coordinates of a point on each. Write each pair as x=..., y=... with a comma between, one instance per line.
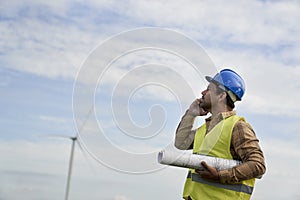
x=204, y=92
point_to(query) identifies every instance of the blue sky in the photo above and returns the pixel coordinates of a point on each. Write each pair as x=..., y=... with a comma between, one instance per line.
x=44, y=45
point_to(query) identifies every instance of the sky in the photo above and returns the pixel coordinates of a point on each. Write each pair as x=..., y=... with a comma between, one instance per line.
x=120, y=74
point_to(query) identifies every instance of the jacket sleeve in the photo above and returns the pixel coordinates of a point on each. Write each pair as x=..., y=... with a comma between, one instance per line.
x=246, y=146
x=184, y=138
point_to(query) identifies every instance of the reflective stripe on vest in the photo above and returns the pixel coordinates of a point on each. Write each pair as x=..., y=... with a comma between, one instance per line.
x=234, y=187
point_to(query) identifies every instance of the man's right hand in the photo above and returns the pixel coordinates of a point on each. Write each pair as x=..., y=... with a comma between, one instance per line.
x=196, y=110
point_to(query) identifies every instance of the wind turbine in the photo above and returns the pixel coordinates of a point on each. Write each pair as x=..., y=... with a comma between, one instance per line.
x=71, y=159
x=74, y=139
x=70, y=168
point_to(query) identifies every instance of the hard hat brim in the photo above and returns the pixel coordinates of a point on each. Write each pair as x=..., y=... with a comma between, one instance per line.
x=233, y=97
x=212, y=80
x=208, y=78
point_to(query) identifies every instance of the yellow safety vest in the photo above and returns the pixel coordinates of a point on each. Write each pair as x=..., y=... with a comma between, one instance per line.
x=216, y=143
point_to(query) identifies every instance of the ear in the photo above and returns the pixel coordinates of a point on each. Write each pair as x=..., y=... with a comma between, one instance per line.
x=222, y=96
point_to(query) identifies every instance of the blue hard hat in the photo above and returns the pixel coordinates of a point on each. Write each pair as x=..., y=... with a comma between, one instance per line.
x=231, y=81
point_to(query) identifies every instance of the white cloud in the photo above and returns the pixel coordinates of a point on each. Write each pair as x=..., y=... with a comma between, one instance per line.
x=53, y=119
x=42, y=48
x=59, y=47
x=121, y=197
x=41, y=38
x=234, y=20
x=282, y=159
x=56, y=48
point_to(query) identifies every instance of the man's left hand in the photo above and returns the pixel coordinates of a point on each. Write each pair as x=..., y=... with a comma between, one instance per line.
x=208, y=172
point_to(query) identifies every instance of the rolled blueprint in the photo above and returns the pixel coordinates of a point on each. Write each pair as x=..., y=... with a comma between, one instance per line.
x=189, y=160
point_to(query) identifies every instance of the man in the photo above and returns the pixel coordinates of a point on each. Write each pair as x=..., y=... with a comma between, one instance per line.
x=224, y=135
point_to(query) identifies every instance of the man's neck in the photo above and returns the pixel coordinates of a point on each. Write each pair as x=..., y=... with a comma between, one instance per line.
x=219, y=109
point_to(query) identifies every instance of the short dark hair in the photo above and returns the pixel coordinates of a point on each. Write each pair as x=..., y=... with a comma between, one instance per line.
x=229, y=101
